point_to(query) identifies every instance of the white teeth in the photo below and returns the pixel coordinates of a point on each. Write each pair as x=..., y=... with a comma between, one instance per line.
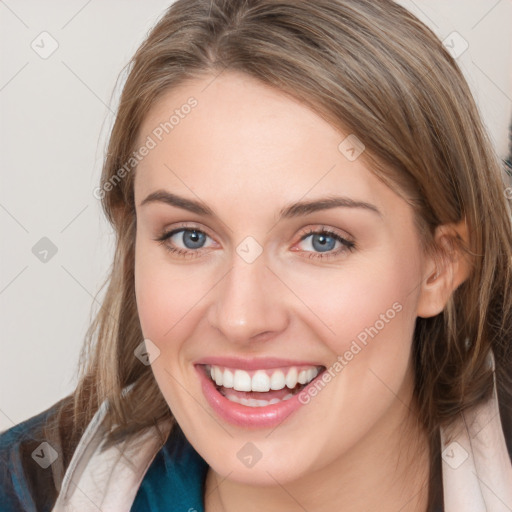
x=241, y=381
x=227, y=379
x=261, y=380
x=217, y=375
x=252, y=402
x=291, y=378
x=312, y=373
x=277, y=381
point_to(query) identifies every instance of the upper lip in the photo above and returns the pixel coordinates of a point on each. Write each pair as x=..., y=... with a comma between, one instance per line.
x=253, y=363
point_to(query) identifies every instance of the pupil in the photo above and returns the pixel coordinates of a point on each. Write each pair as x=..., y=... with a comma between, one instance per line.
x=193, y=239
x=323, y=243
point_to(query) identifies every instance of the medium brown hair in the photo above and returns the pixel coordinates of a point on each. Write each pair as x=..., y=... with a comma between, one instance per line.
x=369, y=68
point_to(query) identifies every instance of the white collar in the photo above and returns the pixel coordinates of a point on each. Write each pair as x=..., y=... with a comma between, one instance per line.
x=108, y=480
x=477, y=472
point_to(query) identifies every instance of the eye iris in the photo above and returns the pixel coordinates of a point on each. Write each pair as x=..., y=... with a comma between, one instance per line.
x=323, y=242
x=193, y=239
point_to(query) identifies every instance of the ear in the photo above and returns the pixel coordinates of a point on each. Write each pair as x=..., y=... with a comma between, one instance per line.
x=445, y=270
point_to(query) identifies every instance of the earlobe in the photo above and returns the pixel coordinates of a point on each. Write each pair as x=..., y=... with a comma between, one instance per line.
x=445, y=271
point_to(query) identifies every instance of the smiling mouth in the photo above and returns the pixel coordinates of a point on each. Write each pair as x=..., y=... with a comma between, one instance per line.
x=259, y=388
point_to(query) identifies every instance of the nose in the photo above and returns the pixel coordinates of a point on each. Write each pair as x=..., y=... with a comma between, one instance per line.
x=248, y=304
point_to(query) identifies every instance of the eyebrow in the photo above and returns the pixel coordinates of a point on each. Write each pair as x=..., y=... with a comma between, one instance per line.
x=291, y=211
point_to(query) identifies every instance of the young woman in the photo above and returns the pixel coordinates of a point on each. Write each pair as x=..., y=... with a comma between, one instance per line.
x=310, y=305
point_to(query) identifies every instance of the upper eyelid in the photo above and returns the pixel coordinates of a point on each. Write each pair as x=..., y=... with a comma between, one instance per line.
x=330, y=231
x=177, y=229
x=307, y=232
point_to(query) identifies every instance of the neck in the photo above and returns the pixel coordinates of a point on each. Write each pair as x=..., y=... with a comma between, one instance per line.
x=388, y=470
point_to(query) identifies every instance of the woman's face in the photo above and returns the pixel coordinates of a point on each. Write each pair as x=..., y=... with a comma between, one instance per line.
x=292, y=258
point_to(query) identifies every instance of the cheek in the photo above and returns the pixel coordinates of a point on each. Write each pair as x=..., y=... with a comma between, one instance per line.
x=168, y=296
x=169, y=307
x=362, y=301
x=370, y=311
x=369, y=308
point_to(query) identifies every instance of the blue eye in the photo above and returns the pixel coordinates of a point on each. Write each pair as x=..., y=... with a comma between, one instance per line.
x=184, y=241
x=193, y=239
x=321, y=242
x=325, y=244
x=188, y=242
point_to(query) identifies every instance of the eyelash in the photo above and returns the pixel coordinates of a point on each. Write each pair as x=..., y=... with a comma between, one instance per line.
x=347, y=245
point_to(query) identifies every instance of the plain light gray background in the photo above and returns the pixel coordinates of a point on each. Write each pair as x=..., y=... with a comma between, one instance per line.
x=56, y=113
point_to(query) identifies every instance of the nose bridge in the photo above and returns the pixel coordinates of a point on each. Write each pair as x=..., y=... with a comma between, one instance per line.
x=246, y=304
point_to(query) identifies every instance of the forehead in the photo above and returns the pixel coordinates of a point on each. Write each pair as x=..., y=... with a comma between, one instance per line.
x=243, y=137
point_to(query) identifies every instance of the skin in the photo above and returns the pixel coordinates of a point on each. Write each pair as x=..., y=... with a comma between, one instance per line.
x=247, y=151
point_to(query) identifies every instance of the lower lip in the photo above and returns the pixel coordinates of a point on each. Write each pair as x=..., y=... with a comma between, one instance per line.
x=243, y=415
